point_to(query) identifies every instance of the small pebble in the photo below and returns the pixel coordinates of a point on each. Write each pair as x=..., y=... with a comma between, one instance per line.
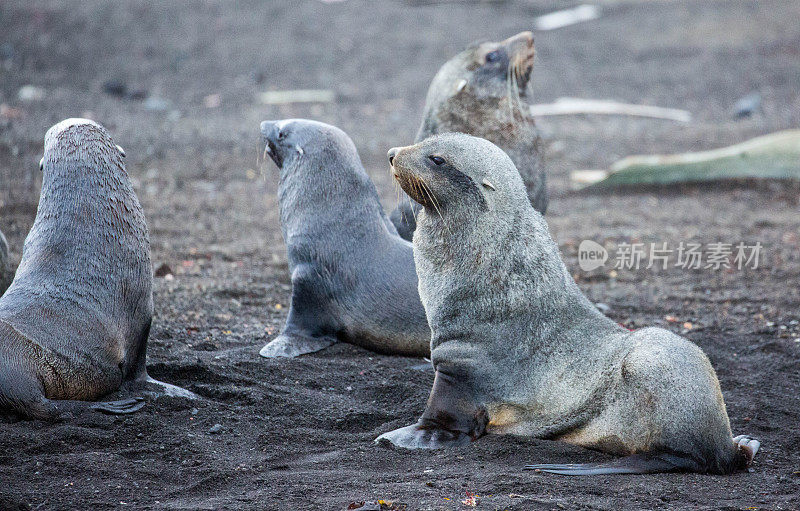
x=602, y=307
x=31, y=93
x=216, y=428
x=747, y=105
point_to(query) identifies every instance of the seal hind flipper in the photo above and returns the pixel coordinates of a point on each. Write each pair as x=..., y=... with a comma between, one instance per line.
x=634, y=464
x=119, y=407
x=746, y=448
x=26, y=399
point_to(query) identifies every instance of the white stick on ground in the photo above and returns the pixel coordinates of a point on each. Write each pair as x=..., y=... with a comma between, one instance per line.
x=282, y=97
x=566, y=17
x=573, y=106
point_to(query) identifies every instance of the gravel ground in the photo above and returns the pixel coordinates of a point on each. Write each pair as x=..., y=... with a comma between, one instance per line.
x=298, y=434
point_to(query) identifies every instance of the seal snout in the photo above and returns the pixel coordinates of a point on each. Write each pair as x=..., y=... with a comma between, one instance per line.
x=397, y=173
x=523, y=40
x=391, y=154
x=271, y=132
x=521, y=51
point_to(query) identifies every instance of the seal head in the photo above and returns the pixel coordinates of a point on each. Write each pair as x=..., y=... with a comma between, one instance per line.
x=483, y=91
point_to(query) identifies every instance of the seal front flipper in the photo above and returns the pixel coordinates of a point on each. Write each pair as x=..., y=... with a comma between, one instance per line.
x=309, y=327
x=291, y=346
x=404, y=219
x=153, y=388
x=451, y=418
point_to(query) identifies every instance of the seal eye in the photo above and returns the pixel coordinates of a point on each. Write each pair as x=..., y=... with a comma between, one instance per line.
x=437, y=160
x=281, y=135
x=493, y=56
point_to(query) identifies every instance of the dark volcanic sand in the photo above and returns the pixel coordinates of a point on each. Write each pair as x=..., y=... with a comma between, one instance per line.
x=298, y=434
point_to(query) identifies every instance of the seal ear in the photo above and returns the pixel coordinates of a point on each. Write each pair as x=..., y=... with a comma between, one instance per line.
x=121, y=151
x=41, y=164
x=487, y=184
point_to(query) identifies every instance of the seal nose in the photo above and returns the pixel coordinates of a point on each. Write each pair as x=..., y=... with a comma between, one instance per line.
x=525, y=38
x=391, y=154
x=268, y=129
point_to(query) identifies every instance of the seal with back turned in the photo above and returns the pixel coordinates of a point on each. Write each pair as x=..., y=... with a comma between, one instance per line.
x=353, y=277
x=75, y=321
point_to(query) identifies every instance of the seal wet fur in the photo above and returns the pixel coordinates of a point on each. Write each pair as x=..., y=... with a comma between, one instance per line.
x=353, y=277
x=484, y=91
x=75, y=321
x=518, y=349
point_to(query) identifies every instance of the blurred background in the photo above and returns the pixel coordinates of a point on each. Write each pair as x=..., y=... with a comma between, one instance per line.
x=180, y=85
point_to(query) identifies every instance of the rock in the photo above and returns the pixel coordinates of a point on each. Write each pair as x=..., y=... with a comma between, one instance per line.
x=747, y=105
x=163, y=270
x=602, y=307
x=31, y=93
x=138, y=94
x=115, y=88
x=215, y=429
x=157, y=104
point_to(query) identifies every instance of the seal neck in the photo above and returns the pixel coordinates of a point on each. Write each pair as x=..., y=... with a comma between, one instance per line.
x=89, y=234
x=318, y=200
x=502, y=120
x=511, y=274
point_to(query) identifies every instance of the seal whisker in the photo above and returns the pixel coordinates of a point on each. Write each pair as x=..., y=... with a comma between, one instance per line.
x=413, y=212
x=509, y=77
x=435, y=203
x=517, y=97
x=397, y=190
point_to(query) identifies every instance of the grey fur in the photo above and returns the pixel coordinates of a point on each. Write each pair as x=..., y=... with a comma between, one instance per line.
x=353, y=277
x=6, y=273
x=515, y=339
x=75, y=321
x=472, y=96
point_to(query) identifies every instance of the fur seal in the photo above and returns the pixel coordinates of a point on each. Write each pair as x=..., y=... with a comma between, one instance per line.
x=353, y=277
x=75, y=321
x=6, y=273
x=483, y=91
x=518, y=349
